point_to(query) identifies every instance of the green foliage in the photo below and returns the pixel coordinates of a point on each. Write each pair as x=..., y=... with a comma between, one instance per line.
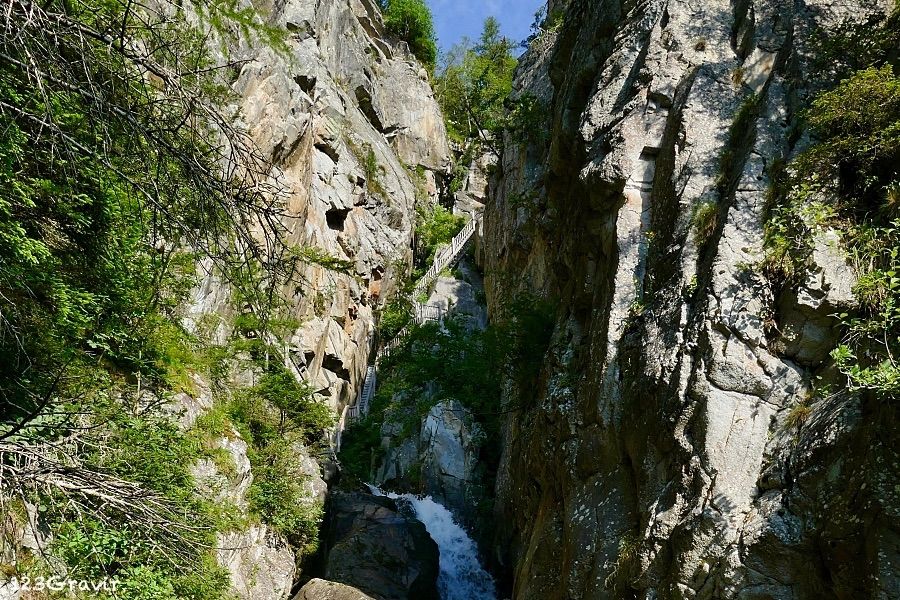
x=527, y=200
x=436, y=227
x=411, y=21
x=847, y=181
x=110, y=164
x=461, y=166
x=299, y=408
x=368, y=160
x=101, y=168
x=790, y=227
x=798, y=415
x=394, y=316
x=278, y=497
x=454, y=362
x=858, y=124
x=629, y=546
x=853, y=45
x=704, y=221
x=526, y=120
x=155, y=453
x=872, y=336
x=360, y=444
x=274, y=417
x=95, y=551
x=474, y=85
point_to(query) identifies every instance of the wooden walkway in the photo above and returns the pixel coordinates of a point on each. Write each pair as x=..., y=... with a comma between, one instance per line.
x=422, y=313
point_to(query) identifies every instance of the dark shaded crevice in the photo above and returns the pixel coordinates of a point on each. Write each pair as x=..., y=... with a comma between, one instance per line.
x=366, y=105
x=336, y=365
x=336, y=217
x=743, y=28
x=661, y=262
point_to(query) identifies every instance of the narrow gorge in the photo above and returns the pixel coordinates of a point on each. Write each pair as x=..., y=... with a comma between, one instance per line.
x=293, y=306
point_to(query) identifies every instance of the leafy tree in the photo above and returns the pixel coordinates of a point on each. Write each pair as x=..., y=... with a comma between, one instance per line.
x=436, y=227
x=474, y=85
x=115, y=174
x=411, y=21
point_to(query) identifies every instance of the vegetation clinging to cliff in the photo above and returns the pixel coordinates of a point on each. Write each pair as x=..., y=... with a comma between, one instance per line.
x=454, y=361
x=411, y=21
x=849, y=180
x=111, y=187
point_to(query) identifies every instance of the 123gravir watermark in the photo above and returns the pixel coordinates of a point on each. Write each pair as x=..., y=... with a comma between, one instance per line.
x=58, y=584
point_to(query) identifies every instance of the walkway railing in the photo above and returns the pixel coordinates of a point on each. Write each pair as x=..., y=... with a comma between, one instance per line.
x=447, y=256
x=422, y=313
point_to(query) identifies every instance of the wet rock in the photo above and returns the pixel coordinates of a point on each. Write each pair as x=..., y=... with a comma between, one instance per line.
x=373, y=546
x=440, y=459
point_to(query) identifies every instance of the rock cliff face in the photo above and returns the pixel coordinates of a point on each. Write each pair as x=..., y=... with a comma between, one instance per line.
x=349, y=121
x=655, y=459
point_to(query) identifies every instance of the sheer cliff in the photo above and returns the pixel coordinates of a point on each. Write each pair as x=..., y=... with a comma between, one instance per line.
x=663, y=455
x=348, y=120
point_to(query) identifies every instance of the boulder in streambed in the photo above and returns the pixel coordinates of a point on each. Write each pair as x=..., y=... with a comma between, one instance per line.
x=319, y=589
x=373, y=546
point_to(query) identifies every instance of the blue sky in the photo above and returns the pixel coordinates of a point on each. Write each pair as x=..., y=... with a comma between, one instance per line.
x=454, y=19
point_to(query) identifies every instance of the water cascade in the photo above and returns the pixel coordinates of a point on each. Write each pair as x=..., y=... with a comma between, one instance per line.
x=461, y=575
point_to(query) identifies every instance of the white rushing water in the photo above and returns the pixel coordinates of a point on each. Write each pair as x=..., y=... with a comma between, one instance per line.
x=461, y=575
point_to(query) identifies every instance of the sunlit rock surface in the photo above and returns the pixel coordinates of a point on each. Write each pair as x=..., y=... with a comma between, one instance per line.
x=655, y=458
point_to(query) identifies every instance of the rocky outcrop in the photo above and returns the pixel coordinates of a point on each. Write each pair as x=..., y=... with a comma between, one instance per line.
x=349, y=123
x=346, y=117
x=374, y=547
x=441, y=461
x=319, y=589
x=653, y=456
x=460, y=298
x=259, y=562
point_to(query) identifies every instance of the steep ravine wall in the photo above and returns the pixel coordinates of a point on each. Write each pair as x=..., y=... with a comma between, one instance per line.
x=340, y=92
x=348, y=119
x=654, y=459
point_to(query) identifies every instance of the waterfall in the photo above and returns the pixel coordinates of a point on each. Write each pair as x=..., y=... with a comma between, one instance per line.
x=461, y=575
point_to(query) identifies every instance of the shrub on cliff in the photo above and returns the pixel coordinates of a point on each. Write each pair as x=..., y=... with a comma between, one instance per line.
x=849, y=181
x=858, y=124
x=474, y=85
x=411, y=21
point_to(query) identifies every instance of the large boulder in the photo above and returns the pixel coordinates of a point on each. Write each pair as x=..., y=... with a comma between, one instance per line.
x=373, y=546
x=319, y=589
x=440, y=461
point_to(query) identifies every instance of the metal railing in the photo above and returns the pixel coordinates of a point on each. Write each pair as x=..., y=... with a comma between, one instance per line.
x=422, y=313
x=447, y=256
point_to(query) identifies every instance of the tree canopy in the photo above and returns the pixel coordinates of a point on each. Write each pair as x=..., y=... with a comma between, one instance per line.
x=411, y=21
x=474, y=84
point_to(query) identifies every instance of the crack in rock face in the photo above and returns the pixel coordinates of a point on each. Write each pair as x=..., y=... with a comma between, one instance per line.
x=663, y=465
